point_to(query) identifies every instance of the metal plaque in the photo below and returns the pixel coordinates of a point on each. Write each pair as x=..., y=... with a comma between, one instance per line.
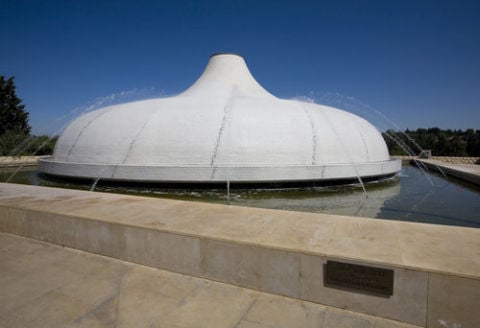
x=359, y=278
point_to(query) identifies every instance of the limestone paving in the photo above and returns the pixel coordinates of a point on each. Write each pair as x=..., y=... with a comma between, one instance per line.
x=44, y=285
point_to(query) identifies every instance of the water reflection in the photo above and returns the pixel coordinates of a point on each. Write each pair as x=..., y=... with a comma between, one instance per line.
x=345, y=200
x=409, y=197
x=446, y=202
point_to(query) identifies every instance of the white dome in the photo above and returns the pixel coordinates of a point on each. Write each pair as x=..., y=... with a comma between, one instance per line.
x=225, y=127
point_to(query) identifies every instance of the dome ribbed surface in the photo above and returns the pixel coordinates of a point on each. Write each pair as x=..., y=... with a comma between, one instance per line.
x=226, y=126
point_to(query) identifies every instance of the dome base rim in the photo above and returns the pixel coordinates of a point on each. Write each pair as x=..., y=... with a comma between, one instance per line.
x=219, y=174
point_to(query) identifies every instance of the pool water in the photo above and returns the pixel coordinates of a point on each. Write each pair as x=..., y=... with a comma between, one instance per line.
x=413, y=195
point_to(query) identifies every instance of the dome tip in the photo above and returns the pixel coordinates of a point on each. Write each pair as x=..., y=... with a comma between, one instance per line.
x=225, y=53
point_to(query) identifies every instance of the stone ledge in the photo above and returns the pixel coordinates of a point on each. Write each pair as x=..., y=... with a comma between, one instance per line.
x=17, y=161
x=466, y=172
x=444, y=159
x=274, y=251
x=457, y=160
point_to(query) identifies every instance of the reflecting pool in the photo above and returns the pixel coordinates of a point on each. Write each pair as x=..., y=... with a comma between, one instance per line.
x=413, y=195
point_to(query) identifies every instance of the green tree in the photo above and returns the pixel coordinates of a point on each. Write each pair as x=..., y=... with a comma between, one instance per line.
x=13, y=117
x=12, y=143
x=440, y=142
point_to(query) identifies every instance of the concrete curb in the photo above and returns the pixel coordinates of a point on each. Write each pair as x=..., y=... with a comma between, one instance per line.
x=465, y=172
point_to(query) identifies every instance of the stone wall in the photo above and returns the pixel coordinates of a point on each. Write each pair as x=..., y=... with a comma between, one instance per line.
x=457, y=160
x=446, y=159
x=15, y=161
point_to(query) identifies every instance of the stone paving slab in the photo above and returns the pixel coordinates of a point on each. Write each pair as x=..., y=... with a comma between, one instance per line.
x=44, y=285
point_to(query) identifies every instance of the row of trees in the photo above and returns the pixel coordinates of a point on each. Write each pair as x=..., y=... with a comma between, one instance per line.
x=15, y=136
x=440, y=142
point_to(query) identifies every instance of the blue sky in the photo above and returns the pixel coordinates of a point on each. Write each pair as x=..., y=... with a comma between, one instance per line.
x=417, y=63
